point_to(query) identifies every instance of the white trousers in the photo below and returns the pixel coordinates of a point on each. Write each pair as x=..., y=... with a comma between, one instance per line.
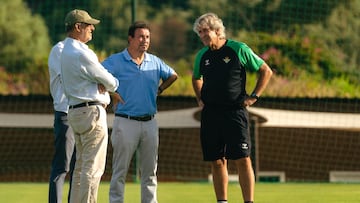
x=91, y=138
x=127, y=137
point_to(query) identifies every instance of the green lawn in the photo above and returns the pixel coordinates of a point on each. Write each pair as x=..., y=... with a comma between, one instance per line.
x=201, y=192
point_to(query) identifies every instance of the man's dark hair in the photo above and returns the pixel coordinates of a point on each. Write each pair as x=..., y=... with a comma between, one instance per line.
x=137, y=25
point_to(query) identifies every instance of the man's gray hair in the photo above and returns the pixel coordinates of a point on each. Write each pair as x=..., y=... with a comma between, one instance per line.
x=212, y=21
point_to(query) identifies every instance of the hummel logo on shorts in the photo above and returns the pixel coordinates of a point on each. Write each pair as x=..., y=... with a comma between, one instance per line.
x=244, y=146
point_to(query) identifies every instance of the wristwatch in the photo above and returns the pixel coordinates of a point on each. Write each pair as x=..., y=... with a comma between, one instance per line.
x=253, y=95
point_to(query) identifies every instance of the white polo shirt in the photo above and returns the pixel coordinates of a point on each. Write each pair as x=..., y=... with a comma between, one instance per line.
x=81, y=72
x=56, y=89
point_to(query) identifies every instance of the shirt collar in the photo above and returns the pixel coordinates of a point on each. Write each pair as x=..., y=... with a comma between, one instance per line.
x=81, y=44
x=128, y=57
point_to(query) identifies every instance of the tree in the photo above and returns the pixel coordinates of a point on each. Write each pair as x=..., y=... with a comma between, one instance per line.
x=340, y=32
x=23, y=37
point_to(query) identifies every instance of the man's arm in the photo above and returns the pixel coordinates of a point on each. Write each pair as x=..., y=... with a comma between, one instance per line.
x=165, y=84
x=197, y=84
x=265, y=74
x=98, y=73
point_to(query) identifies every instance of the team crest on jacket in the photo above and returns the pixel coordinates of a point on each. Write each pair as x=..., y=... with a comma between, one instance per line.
x=226, y=59
x=207, y=62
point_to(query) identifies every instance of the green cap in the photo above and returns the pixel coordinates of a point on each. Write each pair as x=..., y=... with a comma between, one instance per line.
x=79, y=16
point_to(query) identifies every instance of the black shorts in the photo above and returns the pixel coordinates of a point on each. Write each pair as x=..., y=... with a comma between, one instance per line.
x=225, y=133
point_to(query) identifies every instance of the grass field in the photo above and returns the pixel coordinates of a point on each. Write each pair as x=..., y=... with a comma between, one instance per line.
x=201, y=193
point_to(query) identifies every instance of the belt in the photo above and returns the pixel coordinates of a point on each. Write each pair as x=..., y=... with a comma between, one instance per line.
x=91, y=103
x=137, y=118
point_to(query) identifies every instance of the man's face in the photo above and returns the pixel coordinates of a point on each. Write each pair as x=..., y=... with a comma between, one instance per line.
x=208, y=36
x=86, y=31
x=141, y=40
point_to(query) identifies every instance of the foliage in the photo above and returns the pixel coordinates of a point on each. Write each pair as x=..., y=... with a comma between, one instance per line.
x=303, y=67
x=12, y=84
x=292, y=55
x=173, y=44
x=183, y=84
x=23, y=37
x=111, y=33
x=340, y=34
x=312, y=41
x=54, y=13
x=37, y=80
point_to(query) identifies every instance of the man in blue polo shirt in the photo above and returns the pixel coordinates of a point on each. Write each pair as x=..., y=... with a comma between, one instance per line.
x=134, y=127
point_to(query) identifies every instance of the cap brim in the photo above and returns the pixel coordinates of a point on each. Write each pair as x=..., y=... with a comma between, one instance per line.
x=92, y=21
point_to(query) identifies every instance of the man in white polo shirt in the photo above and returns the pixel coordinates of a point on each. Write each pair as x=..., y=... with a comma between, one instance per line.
x=86, y=84
x=63, y=161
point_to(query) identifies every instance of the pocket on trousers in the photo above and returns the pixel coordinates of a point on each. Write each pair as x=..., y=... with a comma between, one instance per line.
x=83, y=120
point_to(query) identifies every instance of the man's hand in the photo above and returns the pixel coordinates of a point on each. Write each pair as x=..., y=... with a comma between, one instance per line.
x=116, y=98
x=200, y=103
x=101, y=89
x=249, y=101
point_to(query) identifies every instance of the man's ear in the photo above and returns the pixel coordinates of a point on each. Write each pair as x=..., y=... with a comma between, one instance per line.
x=217, y=32
x=77, y=27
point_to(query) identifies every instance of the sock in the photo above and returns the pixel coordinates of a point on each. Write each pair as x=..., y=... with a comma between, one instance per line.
x=222, y=201
x=248, y=202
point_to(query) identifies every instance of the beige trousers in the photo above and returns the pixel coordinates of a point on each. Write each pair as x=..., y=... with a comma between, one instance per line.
x=91, y=138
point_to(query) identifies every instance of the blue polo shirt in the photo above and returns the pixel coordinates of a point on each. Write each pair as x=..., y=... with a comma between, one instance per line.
x=138, y=84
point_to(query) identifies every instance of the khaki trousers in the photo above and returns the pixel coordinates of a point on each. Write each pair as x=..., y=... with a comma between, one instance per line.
x=91, y=138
